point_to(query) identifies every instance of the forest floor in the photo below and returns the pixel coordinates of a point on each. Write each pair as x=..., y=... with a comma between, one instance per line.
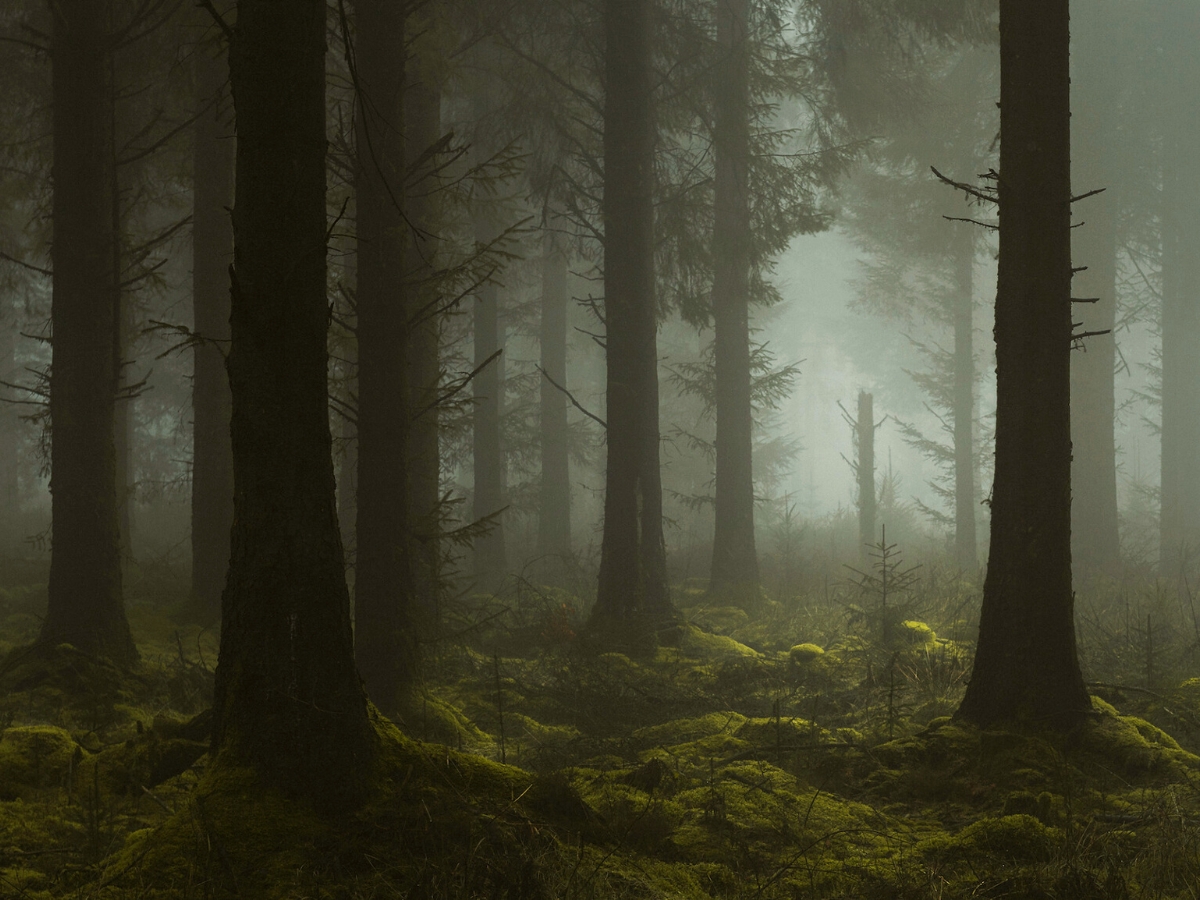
x=805, y=750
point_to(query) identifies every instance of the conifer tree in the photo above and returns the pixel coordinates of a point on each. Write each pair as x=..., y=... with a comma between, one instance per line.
x=1026, y=666
x=287, y=700
x=86, y=606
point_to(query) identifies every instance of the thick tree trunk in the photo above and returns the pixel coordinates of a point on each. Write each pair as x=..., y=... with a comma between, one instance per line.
x=487, y=452
x=734, y=562
x=85, y=605
x=423, y=118
x=1026, y=666
x=1095, y=544
x=288, y=700
x=865, y=468
x=385, y=644
x=965, y=499
x=633, y=577
x=554, y=517
x=1180, y=514
x=212, y=252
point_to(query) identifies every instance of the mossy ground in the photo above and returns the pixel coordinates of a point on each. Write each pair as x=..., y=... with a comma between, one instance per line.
x=763, y=755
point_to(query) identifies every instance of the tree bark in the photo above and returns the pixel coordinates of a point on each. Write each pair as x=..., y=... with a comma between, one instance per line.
x=487, y=452
x=288, y=700
x=554, y=518
x=9, y=436
x=965, y=499
x=212, y=252
x=1096, y=542
x=1180, y=514
x=422, y=112
x=865, y=432
x=86, y=606
x=735, y=561
x=1026, y=667
x=385, y=644
x=633, y=577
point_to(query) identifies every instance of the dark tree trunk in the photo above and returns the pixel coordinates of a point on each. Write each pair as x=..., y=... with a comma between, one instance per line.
x=9, y=435
x=85, y=604
x=734, y=562
x=965, y=500
x=487, y=452
x=633, y=577
x=1026, y=666
x=554, y=517
x=288, y=700
x=212, y=252
x=1180, y=515
x=865, y=469
x=385, y=643
x=1096, y=543
x=422, y=112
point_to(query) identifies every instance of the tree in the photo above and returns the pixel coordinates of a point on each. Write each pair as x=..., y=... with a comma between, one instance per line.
x=212, y=251
x=86, y=606
x=1026, y=667
x=384, y=602
x=287, y=699
x=1180, y=516
x=554, y=502
x=1096, y=544
x=734, y=561
x=423, y=157
x=487, y=452
x=633, y=576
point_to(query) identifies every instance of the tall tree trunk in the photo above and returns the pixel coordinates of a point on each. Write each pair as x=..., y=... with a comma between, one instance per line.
x=423, y=118
x=212, y=252
x=487, y=451
x=1094, y=524
x=1026, y=666
x=633, y=576
x=864, y=431
x=86, y=607
x=385, y=634
x=9, y=435
x=734, y=562
x=1180, y=515
x=554, y=504
x=965, y=500
x=288, y=700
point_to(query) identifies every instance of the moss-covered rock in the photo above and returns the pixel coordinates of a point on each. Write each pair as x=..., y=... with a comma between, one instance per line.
x=35, y=757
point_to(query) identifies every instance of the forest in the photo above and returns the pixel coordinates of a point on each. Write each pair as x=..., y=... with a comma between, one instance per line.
x=599, y=449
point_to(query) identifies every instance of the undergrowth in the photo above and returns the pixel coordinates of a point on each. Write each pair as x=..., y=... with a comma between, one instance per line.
x=806, y=750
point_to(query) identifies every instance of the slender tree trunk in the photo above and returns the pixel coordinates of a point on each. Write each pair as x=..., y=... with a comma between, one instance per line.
x=385, y=643
x=965, y=499
x=422, y=111
x=633, y=577
x=865, y=432
x=1094, y=523
x=347, y=474
x=734, y=562
x=212, y=252
x=86, y=607
x=554, y=518
x=288, y=700
x=1026, y=666
x=1180, y=514
x=9, y=436
x=487, y=452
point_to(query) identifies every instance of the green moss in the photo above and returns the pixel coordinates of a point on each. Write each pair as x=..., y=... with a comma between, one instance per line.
x=34, y=757
x=805, y=654
x=702, y=643
x=916, y=633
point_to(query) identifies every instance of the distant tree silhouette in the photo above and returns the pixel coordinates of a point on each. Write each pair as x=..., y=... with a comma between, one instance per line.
x=85, y=588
